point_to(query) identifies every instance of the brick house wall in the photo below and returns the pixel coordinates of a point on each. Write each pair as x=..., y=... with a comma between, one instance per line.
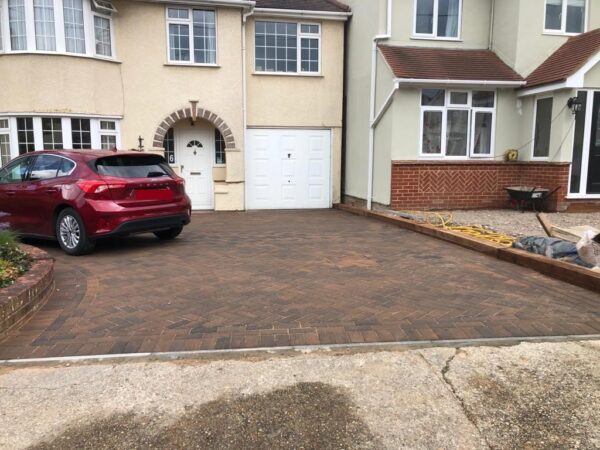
x=472, y=184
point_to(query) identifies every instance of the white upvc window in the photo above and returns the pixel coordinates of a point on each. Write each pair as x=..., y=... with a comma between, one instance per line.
x=542, y=127
x=457, y=124
x=28, y=133
x=437, y=19
x=287, y=47
x=192, y=36
x=565, y=16
x=57, y=26
x=4, y=141
x=108, y=135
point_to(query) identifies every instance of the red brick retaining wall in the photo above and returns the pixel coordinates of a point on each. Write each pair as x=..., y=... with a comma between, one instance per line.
x=472, y=184
x=28, y=293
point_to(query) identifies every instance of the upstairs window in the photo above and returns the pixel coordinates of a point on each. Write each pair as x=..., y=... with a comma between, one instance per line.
x=61, y=26
x=457, y=124
x=287, y=47
x=192, y=36
x=437, y=18
x=565, y=16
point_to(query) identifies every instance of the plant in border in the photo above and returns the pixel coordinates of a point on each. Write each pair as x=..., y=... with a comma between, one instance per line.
x=14, y=262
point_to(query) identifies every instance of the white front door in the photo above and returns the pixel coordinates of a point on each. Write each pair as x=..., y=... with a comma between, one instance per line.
x=195, y=153
x=288, y=169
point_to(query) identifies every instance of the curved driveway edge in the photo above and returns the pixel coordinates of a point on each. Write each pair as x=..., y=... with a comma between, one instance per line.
x=28, y=293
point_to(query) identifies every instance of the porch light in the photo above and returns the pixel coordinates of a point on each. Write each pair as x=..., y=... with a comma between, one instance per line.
x=575, y=105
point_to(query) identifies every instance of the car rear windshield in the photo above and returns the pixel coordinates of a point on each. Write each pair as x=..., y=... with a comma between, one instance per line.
x=131, y=166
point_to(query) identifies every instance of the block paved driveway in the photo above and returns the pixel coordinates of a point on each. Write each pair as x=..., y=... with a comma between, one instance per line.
x=263, y=279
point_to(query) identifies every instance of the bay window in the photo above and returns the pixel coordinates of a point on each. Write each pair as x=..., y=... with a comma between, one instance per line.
x=192, y=36
x=277, y=43
x=19, y=135
x=457, y=124
x=565, y=16
x=437, y=18
x=82, y=27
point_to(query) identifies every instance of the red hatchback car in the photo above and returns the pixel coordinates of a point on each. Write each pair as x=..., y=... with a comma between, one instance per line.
x=79, y=197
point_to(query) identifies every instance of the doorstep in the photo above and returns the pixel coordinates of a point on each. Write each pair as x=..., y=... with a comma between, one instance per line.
x=569, y=273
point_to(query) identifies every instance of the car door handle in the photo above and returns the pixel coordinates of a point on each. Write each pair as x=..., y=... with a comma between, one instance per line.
x=11, y=193
x=51, y=191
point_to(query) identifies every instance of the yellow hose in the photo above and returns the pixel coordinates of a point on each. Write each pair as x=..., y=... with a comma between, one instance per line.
x=444, y=220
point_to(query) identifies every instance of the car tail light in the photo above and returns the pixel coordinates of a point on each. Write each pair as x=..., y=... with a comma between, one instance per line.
x=99, y=189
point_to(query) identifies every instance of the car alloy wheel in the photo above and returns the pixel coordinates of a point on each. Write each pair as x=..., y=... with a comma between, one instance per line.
x=70, y=233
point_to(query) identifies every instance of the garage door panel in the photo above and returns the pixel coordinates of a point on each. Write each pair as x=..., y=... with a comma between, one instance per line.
x=288, y=169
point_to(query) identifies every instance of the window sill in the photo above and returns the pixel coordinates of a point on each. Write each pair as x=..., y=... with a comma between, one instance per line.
x=435, y=38
x=71, y=55
x=454, y=158
x=560, y=33
x=183, y=64
x=583, y=196
x=289, y=74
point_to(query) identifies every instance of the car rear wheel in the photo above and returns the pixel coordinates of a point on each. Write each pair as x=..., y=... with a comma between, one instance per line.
x=71, y=234
x=167, y=235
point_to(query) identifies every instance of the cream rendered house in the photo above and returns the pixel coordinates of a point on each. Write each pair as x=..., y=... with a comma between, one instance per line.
x=244, y=98
x=439, y=90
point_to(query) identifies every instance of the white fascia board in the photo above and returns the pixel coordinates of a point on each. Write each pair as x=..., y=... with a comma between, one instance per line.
x=542, y=89
x=301, y=14
x=575, y=81
x=445, y=82
x=225, y=3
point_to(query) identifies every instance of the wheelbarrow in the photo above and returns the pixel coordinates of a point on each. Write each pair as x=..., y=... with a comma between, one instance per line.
x=523, y=196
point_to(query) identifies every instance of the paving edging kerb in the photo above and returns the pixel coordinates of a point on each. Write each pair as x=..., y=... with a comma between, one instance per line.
x=569, y=273
x=28, y=293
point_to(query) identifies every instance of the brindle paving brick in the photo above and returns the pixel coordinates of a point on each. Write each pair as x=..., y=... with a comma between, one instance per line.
x=243, y=280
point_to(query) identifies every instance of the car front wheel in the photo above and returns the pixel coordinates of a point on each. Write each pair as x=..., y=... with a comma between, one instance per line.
x=71, y=234
x=167, y=235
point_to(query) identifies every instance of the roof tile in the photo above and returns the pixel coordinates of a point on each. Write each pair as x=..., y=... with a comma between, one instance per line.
x=447, y=64
x=567, y=60
x=305, y=5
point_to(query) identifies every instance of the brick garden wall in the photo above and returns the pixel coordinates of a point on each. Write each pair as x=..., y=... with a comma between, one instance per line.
x=472, y=184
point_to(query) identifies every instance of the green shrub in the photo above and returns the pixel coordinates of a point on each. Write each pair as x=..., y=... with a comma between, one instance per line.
x=13, y=261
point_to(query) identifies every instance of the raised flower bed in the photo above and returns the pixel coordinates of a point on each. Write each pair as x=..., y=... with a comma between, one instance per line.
x=26, y=282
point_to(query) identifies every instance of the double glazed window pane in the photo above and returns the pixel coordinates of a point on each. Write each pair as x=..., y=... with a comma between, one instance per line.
x=108, y=142
x=482, y=137
x=448, y=11
x=81, y=134
x=205, y=48
x=432, y=132
x=424, y=19
x=25, y=135
x=74, y=32
x=102, y=34
x=309, y=55
x=179, y=42
x=276, y=47
x=433, y=97
x=543, y=123
x=575, y=16
x=457, y=131
x=52, y=133
x=16, y=24
x=4, y=148
x=44, y=25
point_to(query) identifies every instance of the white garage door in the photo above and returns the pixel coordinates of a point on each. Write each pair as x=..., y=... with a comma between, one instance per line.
x=288, y=169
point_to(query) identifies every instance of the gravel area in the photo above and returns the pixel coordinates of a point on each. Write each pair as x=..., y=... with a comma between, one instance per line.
x=533, y=395
x=518, y=224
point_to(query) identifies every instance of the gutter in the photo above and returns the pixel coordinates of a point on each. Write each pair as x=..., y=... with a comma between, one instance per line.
x=304, y=14
x=230, y=3
x=422, y=81
x=372, y=115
